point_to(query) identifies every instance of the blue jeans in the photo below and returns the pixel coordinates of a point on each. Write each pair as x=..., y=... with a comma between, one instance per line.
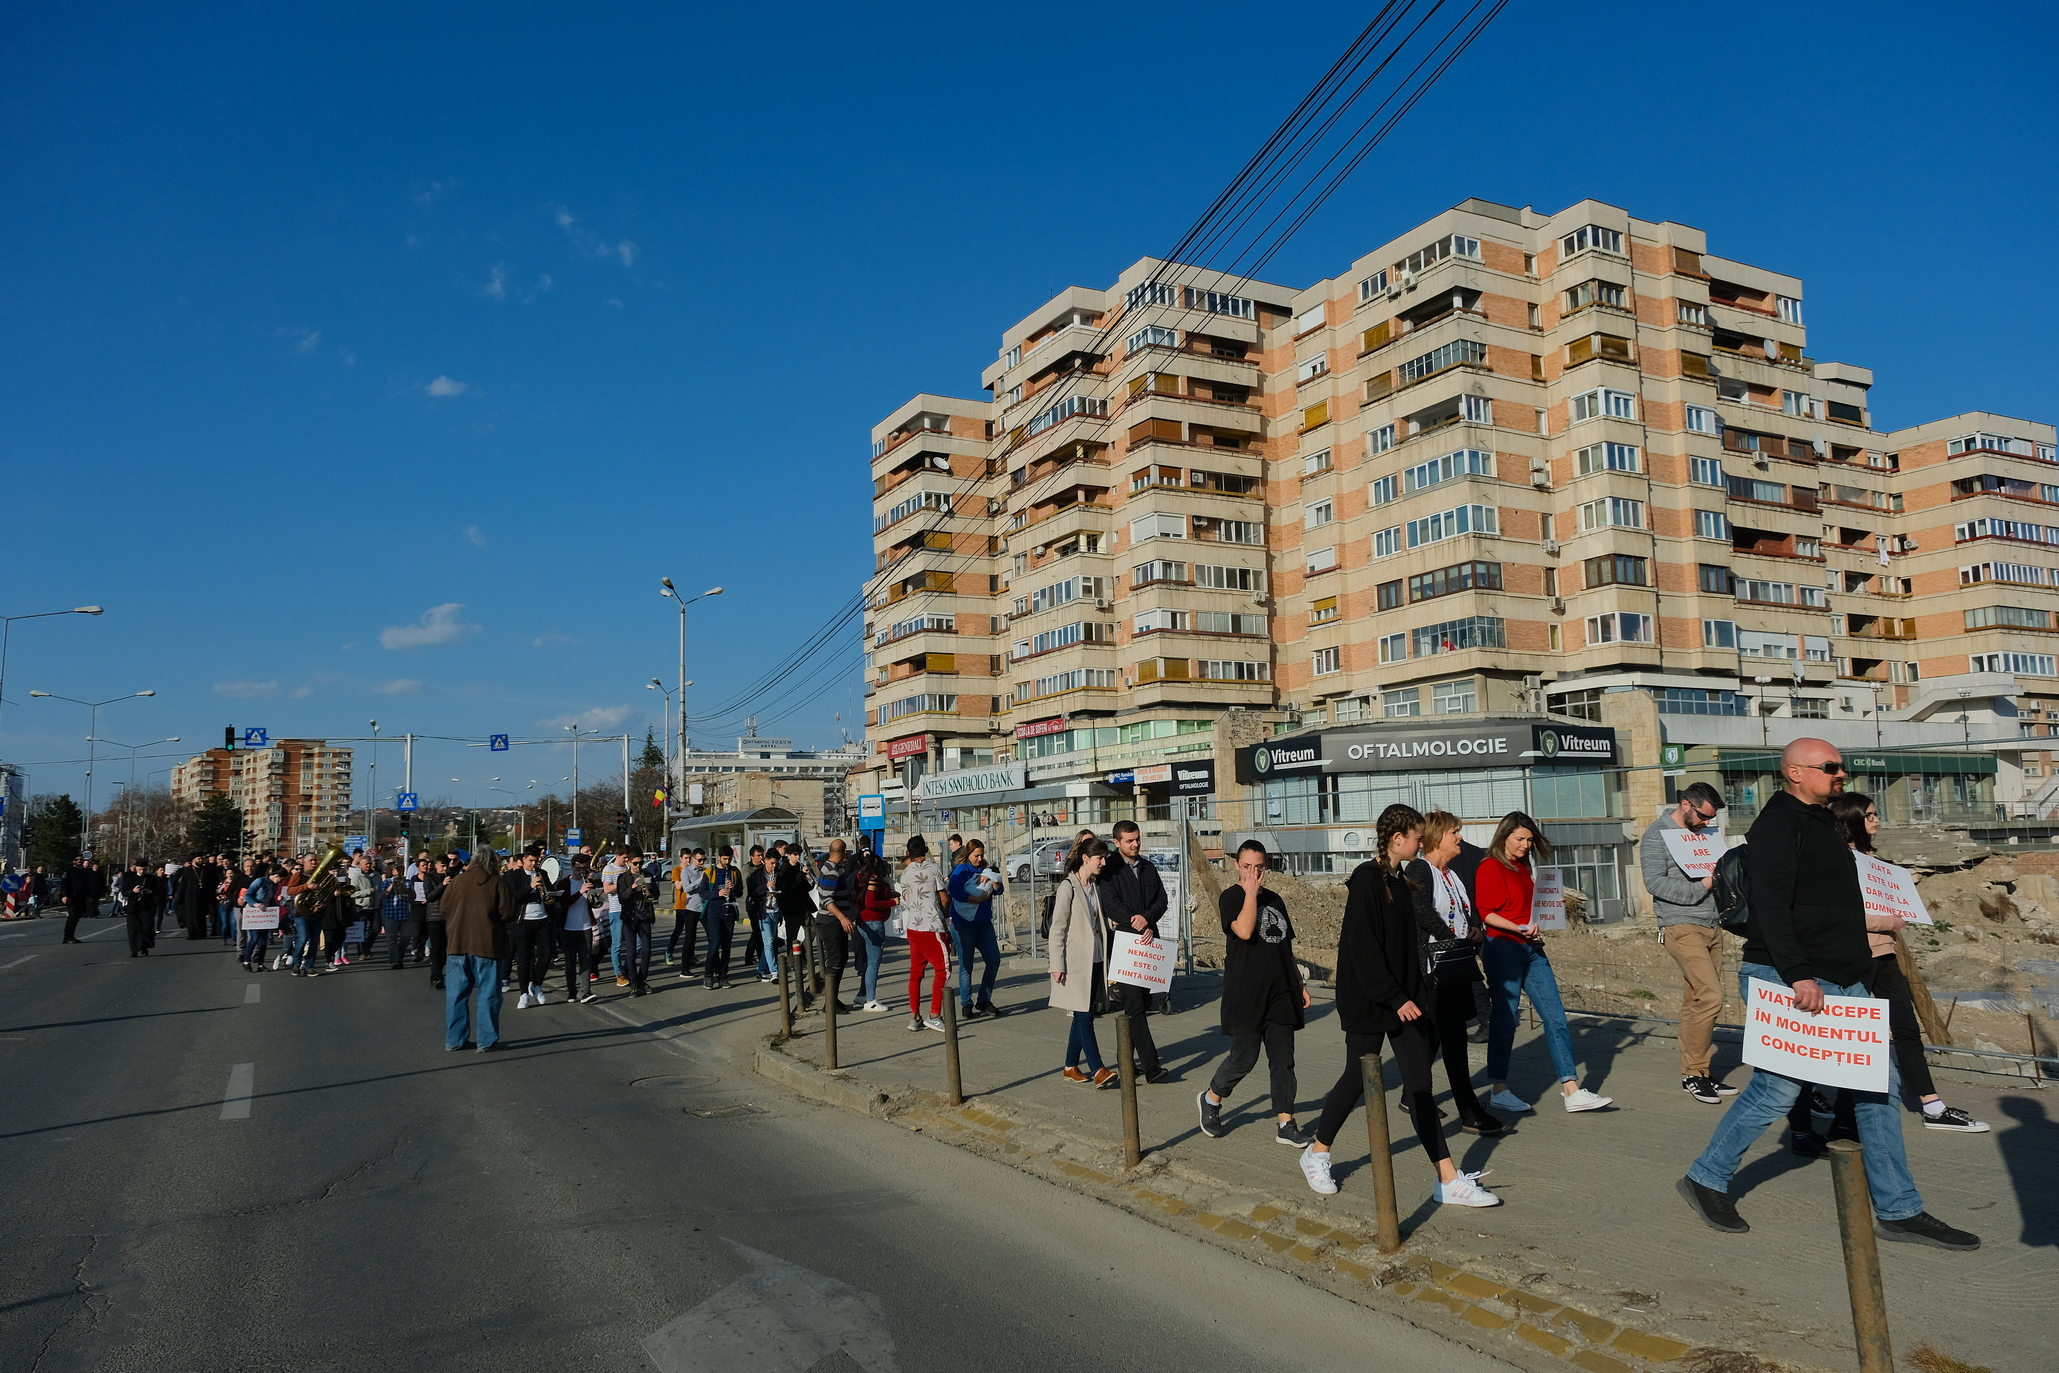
x=1767, y=1098
x=718, y=922
x=1080, y=1041
x=615, y=941
x=768, y=944
x=306, y=934
x=968, y=937
x=872, y=938
x=464, y=974
x=254, y=942
x=1513, y=969
x=225, y=916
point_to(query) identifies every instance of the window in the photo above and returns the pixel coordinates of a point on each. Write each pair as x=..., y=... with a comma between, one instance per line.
x=2021, y=664
x=1450, y=524
x=1806, y=547
x=1315, y=462
x=1711, y=524
x=1214, y=303
x=1228, y=482
x=1702, y=420
x=2020, y=530
x=1580, y=705
x=1453, y=698
x=1797, y=404
x=1234, y=670
x=1326, y=661
x=1386, y=489
x=1453, y=354
x=918, y=705
x=1716, y=580
x=1388, y=595
x=1143, y=574
x=1456, y=636
x=1372, y=286
x=1809, y=596
x=1612, y=512
x=1080, y=678
x=1158, y=527
x=928, y=500
x=1352, y=709
x=1536, y=317
x=1705, y=471
x=1790, y=309
x=1393, y=648
x=1465, y=462
x=1593, y=236
x=1151, y=293
x=1014, y=396
x=1623, y=627
x=1605, y=457
x=1401, y=703
x=1311, y=318
x=1323, y=611
x=1227, y=622
x=1591, y=292
x=2022, y=617
x=1691, y=313
x=1445, y=581
x=1013, y=358
x=1313, y=368
x=1319, y=514
x=1615, y=569
x=1153, y=337
x=1229, y=578
x=1080, y=632
x=1768, y=593
x=1065, y=410
x=1321, y=560
x=1387, y=542
x=1060, y=593
x=1594, y=404
x=1452, y=245
x=1719, y=634
x=1379, y=440
x=1752, y=489
x=1476, y=409
x=1239, y=531
x=1148, y=477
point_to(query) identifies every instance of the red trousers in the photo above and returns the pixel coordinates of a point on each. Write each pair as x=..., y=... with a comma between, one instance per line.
x=926, y=947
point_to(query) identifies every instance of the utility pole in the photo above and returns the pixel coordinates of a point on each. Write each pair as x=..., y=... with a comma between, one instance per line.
x=407, y=783
x=372, y=801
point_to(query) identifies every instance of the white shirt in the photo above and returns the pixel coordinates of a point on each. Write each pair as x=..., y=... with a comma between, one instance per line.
x=1449, y=894
x=577, y=915
x=609, y=874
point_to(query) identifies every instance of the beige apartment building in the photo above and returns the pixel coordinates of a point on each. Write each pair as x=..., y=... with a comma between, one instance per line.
x=294, y=794
x=1508, y=465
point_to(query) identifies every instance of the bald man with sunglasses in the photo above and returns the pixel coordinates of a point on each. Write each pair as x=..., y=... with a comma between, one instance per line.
x=1808, y=933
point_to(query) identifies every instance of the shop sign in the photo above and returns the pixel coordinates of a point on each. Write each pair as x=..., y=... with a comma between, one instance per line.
x=972, y=782
x=1054, y=725
x=908, y=746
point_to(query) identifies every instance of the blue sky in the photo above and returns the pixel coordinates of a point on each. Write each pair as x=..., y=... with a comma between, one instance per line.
x=375, y=361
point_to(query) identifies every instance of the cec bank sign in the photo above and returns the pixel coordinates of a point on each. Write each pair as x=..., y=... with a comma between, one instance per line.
x=1483, y=744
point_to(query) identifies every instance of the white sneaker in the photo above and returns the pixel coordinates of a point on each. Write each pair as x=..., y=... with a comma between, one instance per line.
x=1316, y=1168
x=1465, y=1190
x=1505, y=1100
x=1584, y=1100
x=279, y=962
x=523, y=1004
x=915, y=1024
x=538, y=994
x=874, y=1006
x=932, y=1023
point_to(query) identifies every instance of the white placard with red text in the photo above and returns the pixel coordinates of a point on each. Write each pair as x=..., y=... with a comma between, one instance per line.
x=1548, y=900
x=1844, y=1045
x=1890, y=890
x=1141, y=962
x=259, y=918
x=1696, y=851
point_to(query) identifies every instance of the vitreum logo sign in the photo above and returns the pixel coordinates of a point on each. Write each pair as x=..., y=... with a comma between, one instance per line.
x=1548, y=742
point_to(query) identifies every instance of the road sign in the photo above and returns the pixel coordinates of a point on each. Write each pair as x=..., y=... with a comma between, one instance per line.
x=574, y=838
x=354, y=843
x=497, y=743
x=408, y=800
x=254, y=738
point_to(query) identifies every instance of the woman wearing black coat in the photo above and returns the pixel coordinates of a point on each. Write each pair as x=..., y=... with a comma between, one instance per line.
x=1384, y=992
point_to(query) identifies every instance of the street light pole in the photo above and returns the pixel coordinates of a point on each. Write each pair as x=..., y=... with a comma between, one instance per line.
x=129, y=796
x=7, y=631
x=670, y=590
x=92, y=729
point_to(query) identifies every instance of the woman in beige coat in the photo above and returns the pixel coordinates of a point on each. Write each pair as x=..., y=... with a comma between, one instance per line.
x=1079, y=958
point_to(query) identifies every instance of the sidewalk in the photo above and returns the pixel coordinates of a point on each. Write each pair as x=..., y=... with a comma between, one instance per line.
x=1591, y=1222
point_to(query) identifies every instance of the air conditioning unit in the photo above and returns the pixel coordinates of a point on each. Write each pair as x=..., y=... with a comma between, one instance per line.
x=993, y=505
x=1558, y=605
x=1908, y=544
x=1394, y=288
x=1408, y=280
x=1533, y=683
x=1103, y=603
x=993, y=724
x=1551, y=548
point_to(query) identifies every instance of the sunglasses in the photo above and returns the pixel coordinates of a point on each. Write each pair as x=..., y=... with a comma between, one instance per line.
x=1833, y=768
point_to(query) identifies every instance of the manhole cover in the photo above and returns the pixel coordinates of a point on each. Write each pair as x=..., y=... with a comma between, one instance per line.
x=673, y=1083
x=730, y=1112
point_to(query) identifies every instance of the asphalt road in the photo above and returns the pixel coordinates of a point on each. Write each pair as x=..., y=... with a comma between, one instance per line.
x=208, y=1169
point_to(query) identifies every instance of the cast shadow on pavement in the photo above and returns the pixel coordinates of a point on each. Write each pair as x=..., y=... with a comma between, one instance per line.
x=2030, y=1151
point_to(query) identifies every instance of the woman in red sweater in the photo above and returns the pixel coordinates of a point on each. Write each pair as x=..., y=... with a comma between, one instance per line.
x=1515, y=963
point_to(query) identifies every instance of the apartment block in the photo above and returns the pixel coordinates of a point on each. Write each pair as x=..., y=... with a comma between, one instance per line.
x=295, y=795
x=1506, y=465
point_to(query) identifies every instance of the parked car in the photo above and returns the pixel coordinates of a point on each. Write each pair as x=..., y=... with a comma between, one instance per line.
x=1049, y=859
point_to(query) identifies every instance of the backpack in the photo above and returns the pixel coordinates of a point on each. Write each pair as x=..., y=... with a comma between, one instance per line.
x=1044, y=918
x=1732, y=888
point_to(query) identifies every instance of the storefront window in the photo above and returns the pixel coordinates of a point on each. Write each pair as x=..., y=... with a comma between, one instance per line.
x=1591, y=870
x=1575, y=793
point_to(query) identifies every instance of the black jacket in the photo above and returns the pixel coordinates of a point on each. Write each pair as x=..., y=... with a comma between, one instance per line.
x=1380, y=953
x=1808, y=916
x=1127, y=892
x=80, y=888
x=792, y=889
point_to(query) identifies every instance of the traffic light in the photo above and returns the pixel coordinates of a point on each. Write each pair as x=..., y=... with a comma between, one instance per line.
x=624, y=816
x=228, y=736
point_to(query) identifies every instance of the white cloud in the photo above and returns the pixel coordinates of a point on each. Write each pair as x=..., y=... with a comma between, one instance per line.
x=400, y=686
x=496, y=287
x=627, y=252
x=474, y=536
x=441, y=624
x=301, y=693
x=591, y=244
x=600, y=717
x=246, y=691
x=444, y=386
x=310, y=340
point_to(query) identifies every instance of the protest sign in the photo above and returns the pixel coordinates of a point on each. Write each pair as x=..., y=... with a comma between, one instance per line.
x=1548, y=900
x=259, y=918
x=1696, y=851
x=1143, y=963
x=1890, y=890
x=1846, y=1045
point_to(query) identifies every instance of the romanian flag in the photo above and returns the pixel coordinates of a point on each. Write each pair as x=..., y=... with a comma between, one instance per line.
x=658, y=797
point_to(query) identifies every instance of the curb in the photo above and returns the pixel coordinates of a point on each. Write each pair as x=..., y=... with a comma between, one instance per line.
x=1509, y=1322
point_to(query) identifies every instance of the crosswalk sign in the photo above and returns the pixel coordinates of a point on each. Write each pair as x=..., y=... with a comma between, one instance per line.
x=408, y=800
x=497, y=743
x=254, y=738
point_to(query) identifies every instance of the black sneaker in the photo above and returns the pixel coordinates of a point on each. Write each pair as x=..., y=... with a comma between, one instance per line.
x=1820, y=1104
x=1211, y=1115
x=1712, y=1206
x=1722, y=1089
x=1701, y=1089
x=1481, y=1124
x=1924, y=1228
x=1292, y=1135
x=987, y=1008
x=1158, y=1075
x=1808, y=1144
x=1952, y=1118
x=967, y=1013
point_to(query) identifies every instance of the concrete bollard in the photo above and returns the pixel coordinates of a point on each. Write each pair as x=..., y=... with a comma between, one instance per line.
x=1862, y=1256
x=952, y=1084
x=1126, y=1078
x=1387, y=1225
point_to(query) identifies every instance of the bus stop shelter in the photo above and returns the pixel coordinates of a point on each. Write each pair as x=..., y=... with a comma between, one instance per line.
x=737, y=828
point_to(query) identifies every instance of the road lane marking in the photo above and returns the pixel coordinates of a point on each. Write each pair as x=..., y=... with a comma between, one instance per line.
x=250, y=994
x=236, y=1101
x=19, y=934
x=104, y=929
x=17, y=962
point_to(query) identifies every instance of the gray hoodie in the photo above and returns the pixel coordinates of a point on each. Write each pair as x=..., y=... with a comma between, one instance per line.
x=1676, y=898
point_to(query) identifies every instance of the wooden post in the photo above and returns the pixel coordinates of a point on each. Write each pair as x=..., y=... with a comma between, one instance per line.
x=1126, y=1077
x=1935, y=1031
x=1387, y=1225
x=1862, y=1256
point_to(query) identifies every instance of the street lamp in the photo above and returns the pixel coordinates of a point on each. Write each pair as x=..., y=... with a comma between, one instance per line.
x=670, y=590
x=129, y=796
x=521, y=820
x=7, y=629
x=92, y=728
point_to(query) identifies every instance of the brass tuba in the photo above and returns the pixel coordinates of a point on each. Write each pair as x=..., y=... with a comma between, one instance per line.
x=321, y=884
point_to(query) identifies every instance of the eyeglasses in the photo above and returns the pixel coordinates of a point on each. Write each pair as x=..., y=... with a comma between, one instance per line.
x=1833, y=767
